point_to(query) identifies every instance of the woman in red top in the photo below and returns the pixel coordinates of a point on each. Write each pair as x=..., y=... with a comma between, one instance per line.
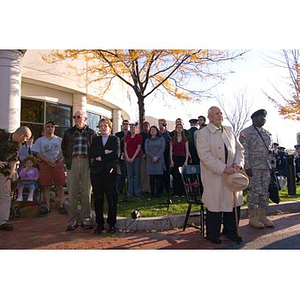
x=179, y=155
x=133, y=155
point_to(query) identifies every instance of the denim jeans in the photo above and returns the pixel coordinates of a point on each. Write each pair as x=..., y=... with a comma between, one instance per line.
x=134, y=178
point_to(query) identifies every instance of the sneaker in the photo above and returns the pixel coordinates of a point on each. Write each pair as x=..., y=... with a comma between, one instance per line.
x=43, y=211
x=6, y=227
x=20, y=198
x=61, y=210
x=30, y=197
x=87, y=224
x=72, y=225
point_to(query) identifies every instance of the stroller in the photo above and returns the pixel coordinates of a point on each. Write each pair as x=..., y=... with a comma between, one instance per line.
x=25, y=204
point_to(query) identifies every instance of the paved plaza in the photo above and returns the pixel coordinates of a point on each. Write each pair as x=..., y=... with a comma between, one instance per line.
x=49, y=232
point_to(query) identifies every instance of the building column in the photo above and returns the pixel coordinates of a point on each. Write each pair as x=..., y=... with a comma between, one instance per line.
x=79, y=102
x=117, y=120
x=10, y=88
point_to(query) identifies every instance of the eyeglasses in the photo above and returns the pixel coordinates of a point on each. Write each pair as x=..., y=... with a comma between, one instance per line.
x=77, y=117
x=49, y=126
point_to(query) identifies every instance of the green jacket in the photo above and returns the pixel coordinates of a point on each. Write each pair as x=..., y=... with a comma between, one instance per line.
x=8, y=148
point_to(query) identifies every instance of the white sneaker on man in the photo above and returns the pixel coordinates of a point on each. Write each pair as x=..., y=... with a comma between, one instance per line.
x=30, y=197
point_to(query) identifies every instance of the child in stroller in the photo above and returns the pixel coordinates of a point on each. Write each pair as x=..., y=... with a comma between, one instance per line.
x=29, y=176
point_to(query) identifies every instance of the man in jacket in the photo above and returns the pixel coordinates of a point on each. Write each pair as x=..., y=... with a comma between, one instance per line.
x=75, y=147
x=259, y=162
x=10, y=143
x=219, y=152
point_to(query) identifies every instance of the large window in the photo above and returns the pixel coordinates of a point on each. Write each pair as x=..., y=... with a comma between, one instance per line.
x=35, y=114
x=93, y=120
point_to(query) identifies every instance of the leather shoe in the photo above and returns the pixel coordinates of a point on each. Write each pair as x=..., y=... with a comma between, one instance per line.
x=6, y=227
x=214, y=241
x=112, y=229
x=72, y=225
x=99, y=229
x=234, y=237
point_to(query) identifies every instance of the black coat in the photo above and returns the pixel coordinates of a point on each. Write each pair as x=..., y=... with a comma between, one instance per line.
x=109, y=163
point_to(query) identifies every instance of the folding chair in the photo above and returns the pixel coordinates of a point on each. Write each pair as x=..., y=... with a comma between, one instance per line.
x=190, y=175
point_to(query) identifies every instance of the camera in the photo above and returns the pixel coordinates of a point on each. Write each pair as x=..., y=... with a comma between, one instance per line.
x=5, y=170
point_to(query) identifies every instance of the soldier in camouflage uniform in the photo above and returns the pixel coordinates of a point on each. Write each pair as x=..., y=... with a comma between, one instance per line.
x=259, y=163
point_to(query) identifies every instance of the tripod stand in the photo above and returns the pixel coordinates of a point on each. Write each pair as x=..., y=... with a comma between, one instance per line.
x=125, y=187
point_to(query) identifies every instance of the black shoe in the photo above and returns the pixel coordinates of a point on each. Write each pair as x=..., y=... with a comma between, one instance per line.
x=112, y=229
x=72, y=225
x=99, y=229
x=214, y=241
x=6, y=227
x=234, y=237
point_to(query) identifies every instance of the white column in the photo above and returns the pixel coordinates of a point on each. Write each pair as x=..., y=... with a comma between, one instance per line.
x=10, y=88
x=79, y=102
x=117, y=120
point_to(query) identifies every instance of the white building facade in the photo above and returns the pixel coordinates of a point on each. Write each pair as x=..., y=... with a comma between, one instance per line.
x=33, y=91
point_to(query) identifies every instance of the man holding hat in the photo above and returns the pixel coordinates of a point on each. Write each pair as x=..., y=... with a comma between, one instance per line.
x=220, y=154
x=259, y=162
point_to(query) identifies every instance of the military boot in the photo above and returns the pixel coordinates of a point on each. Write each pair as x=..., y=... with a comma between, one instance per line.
x=262, y=217
x=253, y=219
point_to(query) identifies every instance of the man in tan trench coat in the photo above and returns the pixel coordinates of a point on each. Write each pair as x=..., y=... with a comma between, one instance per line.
x=220, y=152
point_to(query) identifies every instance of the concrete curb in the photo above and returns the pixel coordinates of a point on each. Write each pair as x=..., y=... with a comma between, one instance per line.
x=176, y=221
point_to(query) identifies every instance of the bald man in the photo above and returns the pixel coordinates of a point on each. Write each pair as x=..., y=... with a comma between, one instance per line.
x=10, y=143
x=75, y=147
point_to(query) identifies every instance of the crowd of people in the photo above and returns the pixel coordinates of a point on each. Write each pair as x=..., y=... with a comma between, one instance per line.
x=106, y=165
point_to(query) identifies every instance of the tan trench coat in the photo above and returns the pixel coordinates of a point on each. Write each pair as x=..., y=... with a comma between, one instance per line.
x=211, y=151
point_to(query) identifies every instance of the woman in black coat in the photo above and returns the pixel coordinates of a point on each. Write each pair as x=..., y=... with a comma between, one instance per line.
x=105, y=172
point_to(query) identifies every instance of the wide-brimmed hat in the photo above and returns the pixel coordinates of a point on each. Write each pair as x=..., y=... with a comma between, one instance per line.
x=237, y=181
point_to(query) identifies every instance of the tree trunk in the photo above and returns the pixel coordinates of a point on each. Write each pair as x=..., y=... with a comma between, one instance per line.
x=141, y=103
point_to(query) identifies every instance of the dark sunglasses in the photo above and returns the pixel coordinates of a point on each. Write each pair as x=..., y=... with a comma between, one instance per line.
x=76, y=117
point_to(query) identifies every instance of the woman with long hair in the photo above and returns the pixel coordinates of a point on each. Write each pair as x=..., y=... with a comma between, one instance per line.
x=133, y=156
x=154, y=148
x=179, y=155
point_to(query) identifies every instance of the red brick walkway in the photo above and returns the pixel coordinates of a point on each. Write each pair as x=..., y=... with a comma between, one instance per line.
x=50, y=233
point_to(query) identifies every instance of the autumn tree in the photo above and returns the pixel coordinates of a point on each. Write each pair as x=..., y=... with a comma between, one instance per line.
x=179, y=73
x=288, y=104
x=238, y=110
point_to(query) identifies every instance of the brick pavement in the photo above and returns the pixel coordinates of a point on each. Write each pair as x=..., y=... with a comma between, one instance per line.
x=49, y=232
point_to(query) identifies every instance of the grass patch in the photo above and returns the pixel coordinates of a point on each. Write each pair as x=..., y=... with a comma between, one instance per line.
x=154, y=207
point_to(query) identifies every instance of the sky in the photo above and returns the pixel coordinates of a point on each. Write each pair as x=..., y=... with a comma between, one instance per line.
x=256, y=75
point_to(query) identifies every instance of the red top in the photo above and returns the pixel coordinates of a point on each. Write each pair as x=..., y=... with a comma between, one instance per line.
x=179, y=147
x=132, y=144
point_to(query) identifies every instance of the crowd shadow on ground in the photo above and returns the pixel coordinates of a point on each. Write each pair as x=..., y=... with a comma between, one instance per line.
x=50, y=232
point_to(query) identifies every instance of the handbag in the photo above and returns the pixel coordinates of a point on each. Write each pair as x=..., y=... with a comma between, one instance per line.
x=274, y=189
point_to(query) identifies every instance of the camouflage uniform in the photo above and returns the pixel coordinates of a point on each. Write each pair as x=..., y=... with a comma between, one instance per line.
x=260, y=160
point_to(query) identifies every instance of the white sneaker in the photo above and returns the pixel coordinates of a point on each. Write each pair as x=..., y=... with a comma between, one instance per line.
x=20, y=198
x=30, y=197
